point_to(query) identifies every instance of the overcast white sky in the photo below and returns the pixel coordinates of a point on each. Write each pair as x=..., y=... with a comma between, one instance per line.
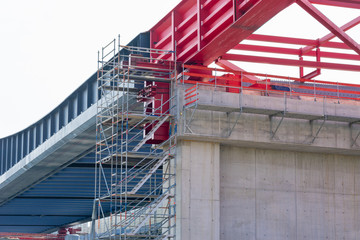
x=49, y=47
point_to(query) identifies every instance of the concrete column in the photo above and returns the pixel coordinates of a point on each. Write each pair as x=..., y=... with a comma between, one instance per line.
x=197, y=191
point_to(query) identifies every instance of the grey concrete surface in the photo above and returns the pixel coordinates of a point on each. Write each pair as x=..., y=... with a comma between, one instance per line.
x=290, y=186
x=197, y=191
x=277, y=194
x=218, y=112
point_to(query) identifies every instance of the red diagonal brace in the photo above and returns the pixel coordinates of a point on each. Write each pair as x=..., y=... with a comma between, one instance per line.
x=313, y=11
x=313, y=74
x=330, y=36
x=232, y=67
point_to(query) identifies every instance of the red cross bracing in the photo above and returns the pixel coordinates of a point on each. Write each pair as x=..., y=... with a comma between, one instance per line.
x=224, y=32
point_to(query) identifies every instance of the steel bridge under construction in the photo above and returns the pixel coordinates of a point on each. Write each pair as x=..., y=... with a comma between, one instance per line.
x=172, y=139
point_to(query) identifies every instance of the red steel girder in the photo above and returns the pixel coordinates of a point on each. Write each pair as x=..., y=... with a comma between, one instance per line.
x=326, y=22
x=339, y=3
x=295, y=41
x=243, y=27
x=330, y=36
x=296, y=52
x=191, y=25
x=242, y=6
x=290, y=62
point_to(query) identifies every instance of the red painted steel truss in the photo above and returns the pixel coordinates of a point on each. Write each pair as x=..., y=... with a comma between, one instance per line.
x=204, y=31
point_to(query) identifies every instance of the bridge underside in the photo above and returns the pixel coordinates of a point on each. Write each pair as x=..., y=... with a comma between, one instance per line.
x=65, y=197
x=52, y=186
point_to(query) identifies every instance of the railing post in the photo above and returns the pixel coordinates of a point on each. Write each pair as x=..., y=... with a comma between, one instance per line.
x=314, y=91
x=215, y=79
x=241, y=81
x=266, y=86
x=183, y=76
x=290, y=87
x=338, y=93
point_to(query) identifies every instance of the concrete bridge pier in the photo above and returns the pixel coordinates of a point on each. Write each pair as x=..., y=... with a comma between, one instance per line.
x=198, y=190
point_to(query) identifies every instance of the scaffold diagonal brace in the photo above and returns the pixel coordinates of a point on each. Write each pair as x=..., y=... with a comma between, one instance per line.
x=319, y=129
x=148, y=136
x=353, y=140
x=148, y=175
x=239, y=115
x=273, y=132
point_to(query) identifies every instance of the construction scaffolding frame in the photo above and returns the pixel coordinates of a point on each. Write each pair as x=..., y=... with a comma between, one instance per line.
x=135, y=166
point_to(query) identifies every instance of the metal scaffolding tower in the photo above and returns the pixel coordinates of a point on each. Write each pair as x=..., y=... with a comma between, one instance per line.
x=135, y=145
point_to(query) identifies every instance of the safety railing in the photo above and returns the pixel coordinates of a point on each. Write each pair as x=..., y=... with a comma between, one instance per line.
x=269, y=84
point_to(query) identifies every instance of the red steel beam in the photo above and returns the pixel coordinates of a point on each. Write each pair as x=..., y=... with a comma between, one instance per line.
x=330, y=36
x=339, y=3
x=314, y=12
x=232, y=67
x=243, y=27
x=291, y=62
x=295, y=41
x=228, y=65
x=242, y=7
x=296, y=52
